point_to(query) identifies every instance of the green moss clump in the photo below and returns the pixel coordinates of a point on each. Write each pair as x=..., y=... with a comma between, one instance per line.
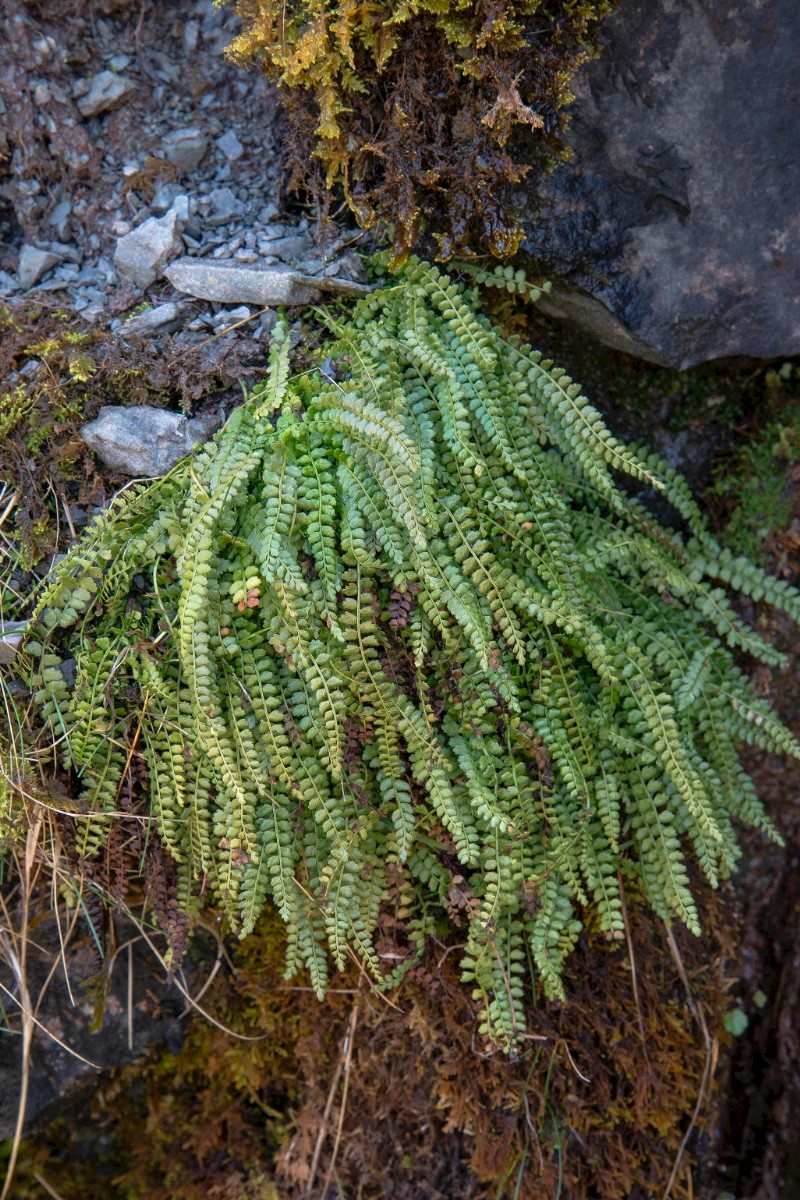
x=410, y=108
x=761, y=481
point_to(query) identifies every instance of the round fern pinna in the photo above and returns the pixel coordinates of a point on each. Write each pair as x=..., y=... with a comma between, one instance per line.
x=398, y=630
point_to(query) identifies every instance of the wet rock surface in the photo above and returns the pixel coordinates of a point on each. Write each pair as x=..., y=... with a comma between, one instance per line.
x=672, y=233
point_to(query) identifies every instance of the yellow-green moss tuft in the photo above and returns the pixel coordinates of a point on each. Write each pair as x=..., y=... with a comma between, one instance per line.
x=410, y=108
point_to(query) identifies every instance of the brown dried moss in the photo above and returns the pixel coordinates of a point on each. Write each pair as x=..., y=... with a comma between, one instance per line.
x=394, y=1097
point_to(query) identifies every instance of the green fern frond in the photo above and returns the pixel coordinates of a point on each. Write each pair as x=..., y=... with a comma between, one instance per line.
x=400, y=619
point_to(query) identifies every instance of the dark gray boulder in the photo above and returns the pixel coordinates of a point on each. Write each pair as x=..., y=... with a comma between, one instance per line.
x=674, y=230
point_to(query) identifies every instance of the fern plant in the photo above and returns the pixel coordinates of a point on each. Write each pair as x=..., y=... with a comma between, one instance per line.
x=406, y=634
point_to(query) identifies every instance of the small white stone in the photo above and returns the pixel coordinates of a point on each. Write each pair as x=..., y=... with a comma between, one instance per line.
x=33, y=264
x=230, y=145
x=59, y=218
x=182, y=207
x=142, y=254
x=164, y=318
x=11, y=635
x=142, y=441
x=185, y=147
x=106, y=91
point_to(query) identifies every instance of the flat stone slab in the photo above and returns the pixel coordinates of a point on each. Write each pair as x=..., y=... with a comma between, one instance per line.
x=235, y=283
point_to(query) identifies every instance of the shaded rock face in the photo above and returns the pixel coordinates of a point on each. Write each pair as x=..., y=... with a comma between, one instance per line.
x=106, y=1016
x=673, y=232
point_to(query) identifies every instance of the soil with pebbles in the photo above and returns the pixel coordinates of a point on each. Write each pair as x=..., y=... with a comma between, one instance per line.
x=129, y=143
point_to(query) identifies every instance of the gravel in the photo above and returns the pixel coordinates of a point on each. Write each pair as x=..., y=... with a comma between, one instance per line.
x=163, y=187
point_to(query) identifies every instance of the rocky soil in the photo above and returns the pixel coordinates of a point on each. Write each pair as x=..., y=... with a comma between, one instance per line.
x=140, y=188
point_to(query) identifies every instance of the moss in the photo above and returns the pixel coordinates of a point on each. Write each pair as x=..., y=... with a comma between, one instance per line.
x=599, y=1098
x=428, y=113
x=758, y=485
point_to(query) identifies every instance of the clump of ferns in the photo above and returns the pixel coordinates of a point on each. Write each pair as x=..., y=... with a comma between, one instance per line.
x=400, y=623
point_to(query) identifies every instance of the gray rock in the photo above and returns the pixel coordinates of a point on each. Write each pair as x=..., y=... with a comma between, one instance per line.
x=164, y=318
x=230, y=145
x=8, y=284
x=33, y=264
x=62, y=277
x=164, y=196
x=672, y=231
x=142, y=254
x=183, y=208
x=290, y=249
x=191, y=31
x=11, y=635
x=225, y=206
x=312, y=266
x=142, y=441
x=338, y=285
x=185, y=148
x=269, y=212
x=348, y=266
x=140, y=1010
x=231, y=316
x=105, y=92
x=232, y=283
x=66, y=251
x=59, y=219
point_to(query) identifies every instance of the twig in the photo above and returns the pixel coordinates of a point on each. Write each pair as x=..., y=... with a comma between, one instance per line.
x=324, y=1122
x=348, y=1048
x=48, y=1187
x=634, y=979
x=130, y=995
x=712, y=1049
x=20, y=961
